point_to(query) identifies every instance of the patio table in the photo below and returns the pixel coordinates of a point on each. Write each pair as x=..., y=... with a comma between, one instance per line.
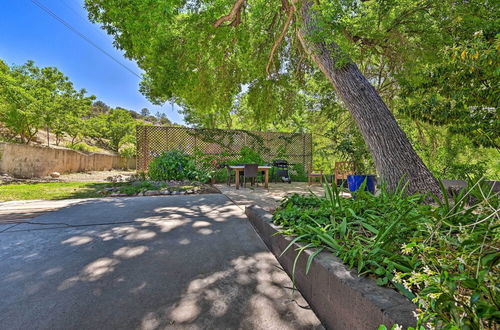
x=240, y=168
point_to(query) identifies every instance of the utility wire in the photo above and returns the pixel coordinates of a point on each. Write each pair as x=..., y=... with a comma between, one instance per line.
x=81, y=35
x=74, y=10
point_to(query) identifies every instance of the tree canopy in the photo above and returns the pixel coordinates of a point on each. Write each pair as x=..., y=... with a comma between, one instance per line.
x=240, y=64
x=34, y=99
x=434, y=61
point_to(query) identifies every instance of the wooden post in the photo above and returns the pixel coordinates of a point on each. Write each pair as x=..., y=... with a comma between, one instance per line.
x=304, y=153
x=146, y=149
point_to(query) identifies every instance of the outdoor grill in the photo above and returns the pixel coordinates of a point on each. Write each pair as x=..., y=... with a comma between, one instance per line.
x=281, y=171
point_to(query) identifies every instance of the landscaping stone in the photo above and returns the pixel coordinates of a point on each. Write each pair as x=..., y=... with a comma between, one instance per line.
x=55, y=174
x=339, y=297
x=118, y=194
x=151, y=192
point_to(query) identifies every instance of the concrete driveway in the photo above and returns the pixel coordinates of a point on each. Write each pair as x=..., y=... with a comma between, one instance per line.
x=166, y=262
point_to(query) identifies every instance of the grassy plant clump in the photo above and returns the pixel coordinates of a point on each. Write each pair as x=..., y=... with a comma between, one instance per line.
x=444, y=257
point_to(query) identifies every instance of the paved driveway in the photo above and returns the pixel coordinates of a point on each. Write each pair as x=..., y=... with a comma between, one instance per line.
x=166, y=262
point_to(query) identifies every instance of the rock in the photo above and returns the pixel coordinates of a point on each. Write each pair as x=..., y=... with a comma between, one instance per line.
x=151, y=192
x=118, y=194
x=55, y=174
x=176, y=192
x=140, y=194
x=166, y=192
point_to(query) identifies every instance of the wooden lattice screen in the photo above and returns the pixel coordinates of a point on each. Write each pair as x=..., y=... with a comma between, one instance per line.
x=296, y=148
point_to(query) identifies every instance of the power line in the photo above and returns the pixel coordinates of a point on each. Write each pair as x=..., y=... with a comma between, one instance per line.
x=73, y=10
x=81, y=35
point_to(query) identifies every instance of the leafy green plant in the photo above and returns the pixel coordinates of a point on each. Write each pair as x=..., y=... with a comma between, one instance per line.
x=444, y=257
x=249, y=156
x=128, y=151
x=220, y=175
x=175, y=165
x=298, y=173
x=82, y=146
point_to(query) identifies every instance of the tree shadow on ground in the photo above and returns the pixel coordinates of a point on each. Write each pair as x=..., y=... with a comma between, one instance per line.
x=186, y=262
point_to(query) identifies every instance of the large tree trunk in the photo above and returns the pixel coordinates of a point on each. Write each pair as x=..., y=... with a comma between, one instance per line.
x=391, y=150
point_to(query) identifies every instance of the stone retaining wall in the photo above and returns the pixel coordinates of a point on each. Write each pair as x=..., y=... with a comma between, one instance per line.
x=340, y=298
x=28, y=161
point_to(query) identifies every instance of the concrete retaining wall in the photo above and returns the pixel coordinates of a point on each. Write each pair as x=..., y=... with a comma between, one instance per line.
x=27, y=161
x=340, y=298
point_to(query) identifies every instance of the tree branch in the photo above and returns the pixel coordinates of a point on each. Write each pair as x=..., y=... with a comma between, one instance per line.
x=278, y=41
x=234, y=15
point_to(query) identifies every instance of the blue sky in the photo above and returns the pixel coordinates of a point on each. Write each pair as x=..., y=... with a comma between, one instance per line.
x=30, y=33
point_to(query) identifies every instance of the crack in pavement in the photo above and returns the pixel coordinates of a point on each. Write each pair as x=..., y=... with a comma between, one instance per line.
x=13, y=225
x=67, y=225
x=63, y=224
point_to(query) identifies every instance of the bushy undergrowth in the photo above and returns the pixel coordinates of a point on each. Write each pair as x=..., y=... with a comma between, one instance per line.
x=82, y=146
x=176, y=165
x=444, y=257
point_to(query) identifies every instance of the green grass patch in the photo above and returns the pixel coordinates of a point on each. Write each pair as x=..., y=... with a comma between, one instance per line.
x=65, y=190
x=51, y=190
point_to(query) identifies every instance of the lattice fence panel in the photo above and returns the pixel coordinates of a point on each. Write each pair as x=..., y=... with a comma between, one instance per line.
x=296, y=148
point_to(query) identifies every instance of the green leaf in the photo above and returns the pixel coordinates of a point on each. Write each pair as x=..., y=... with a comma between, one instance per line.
x=311, y=258
x=470, y=283
x=407, y=293
x=380, y=271
x=490, y=259
x=382, y=281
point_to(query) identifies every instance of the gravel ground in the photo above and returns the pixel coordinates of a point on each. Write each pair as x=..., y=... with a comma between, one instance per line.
x=96, y=176
x=93, y=176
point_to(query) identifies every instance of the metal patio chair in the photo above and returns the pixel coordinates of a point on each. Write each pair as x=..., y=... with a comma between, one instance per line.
x=251, y=172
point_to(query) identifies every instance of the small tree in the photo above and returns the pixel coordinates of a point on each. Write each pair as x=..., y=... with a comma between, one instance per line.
x=20, y=111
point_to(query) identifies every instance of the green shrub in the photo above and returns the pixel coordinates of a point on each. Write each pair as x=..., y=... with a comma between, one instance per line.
x=443, y=257
x=249, y=156
x=220, y=175
x=82, y=146
x=128, y=151
x=175, y=165
x=298, y=173
x=456, y=171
